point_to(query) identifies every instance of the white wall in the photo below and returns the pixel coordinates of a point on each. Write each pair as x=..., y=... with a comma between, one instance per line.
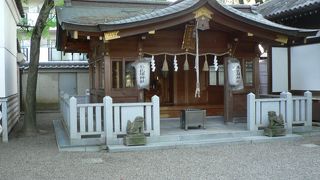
x=83, y=83
x=2, y=74
x=9, y=17
x=48, y=87
x=279, y=69
x=305, y=67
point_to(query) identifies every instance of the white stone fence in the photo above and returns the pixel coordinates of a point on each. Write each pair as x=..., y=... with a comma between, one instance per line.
x=86, y=123
x=9, y=115
x=295, y=110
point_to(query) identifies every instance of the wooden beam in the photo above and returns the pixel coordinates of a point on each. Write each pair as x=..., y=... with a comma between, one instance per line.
x=228, y=98
x=80, y=47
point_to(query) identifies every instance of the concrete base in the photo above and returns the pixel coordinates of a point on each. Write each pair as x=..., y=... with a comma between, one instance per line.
x=134, y=140
x=64, y=144
x=174, y=137
x=274, y=132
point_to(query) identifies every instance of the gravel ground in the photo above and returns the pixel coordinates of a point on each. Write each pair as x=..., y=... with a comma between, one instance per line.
x=38, y=158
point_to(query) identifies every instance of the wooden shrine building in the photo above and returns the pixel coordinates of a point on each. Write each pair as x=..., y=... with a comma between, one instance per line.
x=116, y=34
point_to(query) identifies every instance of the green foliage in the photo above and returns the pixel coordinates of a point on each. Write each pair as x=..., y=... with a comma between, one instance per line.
x=51, y=23
x=25, y=30
x=58, y=2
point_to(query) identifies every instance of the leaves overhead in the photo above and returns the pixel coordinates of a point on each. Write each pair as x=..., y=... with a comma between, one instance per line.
x=25, y=28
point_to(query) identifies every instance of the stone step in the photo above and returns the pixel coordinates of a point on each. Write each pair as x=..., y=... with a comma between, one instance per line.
x=201, y=143
x=200, y=136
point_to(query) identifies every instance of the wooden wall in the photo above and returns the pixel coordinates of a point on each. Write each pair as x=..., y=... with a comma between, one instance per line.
x=177, y=88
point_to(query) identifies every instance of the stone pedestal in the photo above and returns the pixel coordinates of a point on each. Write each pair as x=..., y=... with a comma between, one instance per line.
x=274, y=132
x=134, y=140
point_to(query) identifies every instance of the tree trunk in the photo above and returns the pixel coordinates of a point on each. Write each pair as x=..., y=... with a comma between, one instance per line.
x=30, y=123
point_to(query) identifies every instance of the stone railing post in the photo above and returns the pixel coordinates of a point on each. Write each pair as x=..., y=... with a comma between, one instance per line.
x=289, y=110
x=308, y=95
x=251, y=122
x=73, y=117
x=156, y=114
x=108, y=118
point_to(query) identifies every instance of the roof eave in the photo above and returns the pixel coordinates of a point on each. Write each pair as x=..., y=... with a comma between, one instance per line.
x=296, y=33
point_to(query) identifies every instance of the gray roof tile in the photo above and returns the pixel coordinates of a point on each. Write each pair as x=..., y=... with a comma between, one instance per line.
x=158, y=13
x=254, y=16
x=274, y=8
x=59, y=65
x=109, y=18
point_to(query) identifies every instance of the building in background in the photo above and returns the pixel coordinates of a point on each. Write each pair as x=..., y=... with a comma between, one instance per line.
x=48, y=51
x=55, y=76
x=58, y=71
x=302, y=60
x=295, y=13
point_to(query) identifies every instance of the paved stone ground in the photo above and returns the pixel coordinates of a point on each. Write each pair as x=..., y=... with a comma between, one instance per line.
x=38, y=158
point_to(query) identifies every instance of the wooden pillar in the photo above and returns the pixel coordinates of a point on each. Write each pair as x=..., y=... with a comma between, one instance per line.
x=228, y=98
x=256, y=76
x=107, y=75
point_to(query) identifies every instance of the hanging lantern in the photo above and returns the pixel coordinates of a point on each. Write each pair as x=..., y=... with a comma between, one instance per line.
x=142, y=68
x=186, y=64
x=205, y=65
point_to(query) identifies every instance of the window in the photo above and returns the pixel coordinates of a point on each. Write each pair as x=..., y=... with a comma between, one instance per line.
x=101, y=74
x=216, y=78
x=93, y=70
x=130, y=75
x=221, y=74
x=123, y=74
x=117, y=74
x=212, y=76
x=248, y=72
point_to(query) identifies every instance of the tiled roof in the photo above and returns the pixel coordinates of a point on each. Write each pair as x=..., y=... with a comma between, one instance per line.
x=59, y=65
x=94, y=15
x=183, y=5
x=276, y=8
x=110, y=18
x=254, y=16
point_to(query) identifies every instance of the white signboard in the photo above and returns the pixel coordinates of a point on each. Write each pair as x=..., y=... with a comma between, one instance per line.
x=305, y=65
x=142, y=68
x=279, y=69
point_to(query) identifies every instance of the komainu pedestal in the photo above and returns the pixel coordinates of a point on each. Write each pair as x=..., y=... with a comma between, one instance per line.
x=135, y=135
x=276, y=125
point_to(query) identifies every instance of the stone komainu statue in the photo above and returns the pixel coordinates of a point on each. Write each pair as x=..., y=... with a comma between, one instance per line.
x=276, y=125
x=135, y=135
x=135, y=127
x=274, y=120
